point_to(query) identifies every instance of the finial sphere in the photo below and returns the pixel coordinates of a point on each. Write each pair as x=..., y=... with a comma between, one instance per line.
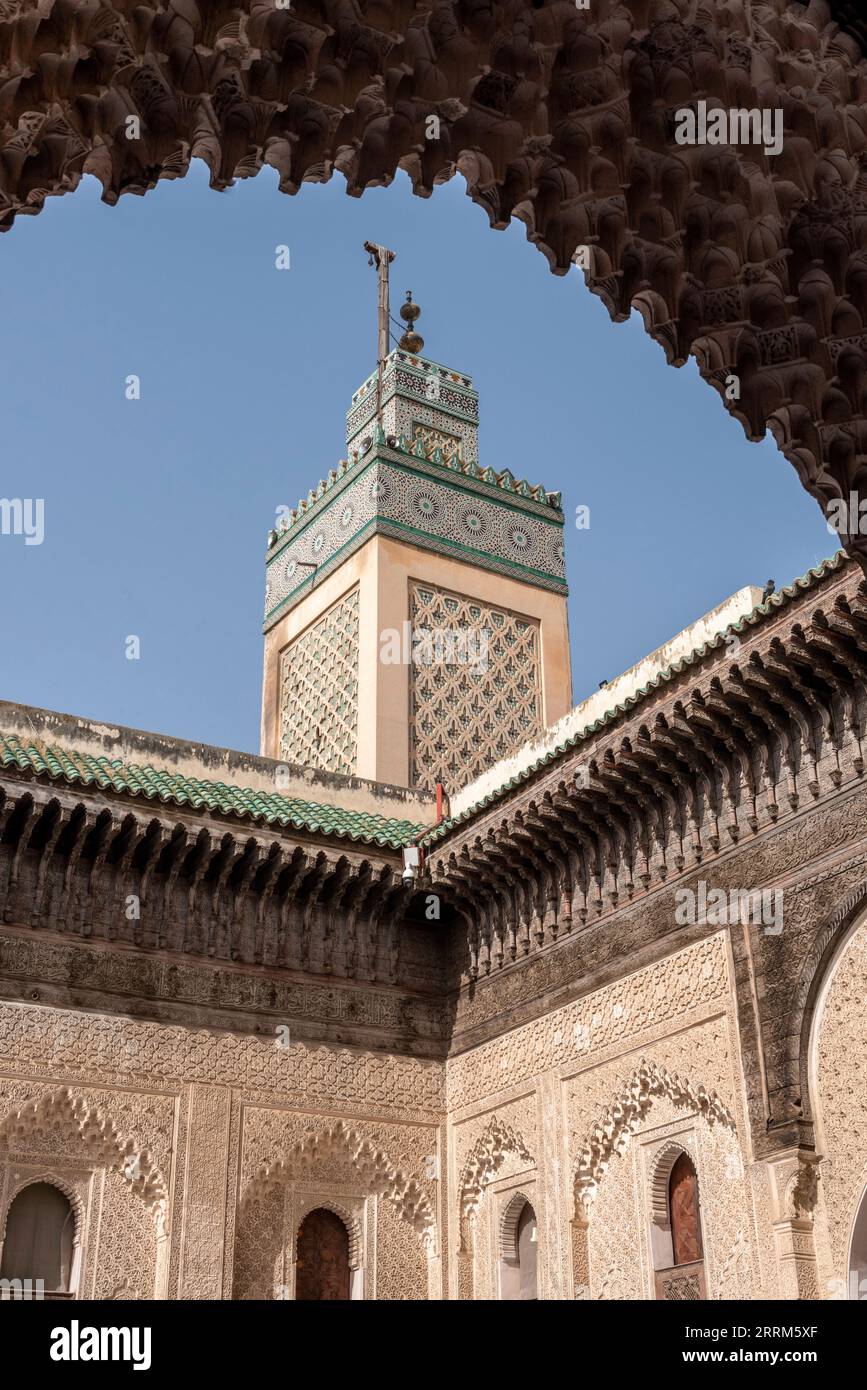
x=409, y=312
x=411, y=342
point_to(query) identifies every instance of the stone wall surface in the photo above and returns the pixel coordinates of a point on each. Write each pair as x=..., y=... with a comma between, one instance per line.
x=191, y=1157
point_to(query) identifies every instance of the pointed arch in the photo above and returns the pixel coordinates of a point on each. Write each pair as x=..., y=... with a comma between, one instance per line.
x=62, y=1183
x=658, y=1178
x=322, y=1267
x=832, y=1015
x=380, y=1176
x=612, y=1132
x=350, y=1221
x=93, y=1133
x=816, y=973
x=496, y=1142
x=39, y=1238
x=487, y=1155
x=508, y=1234
x=856, y=1252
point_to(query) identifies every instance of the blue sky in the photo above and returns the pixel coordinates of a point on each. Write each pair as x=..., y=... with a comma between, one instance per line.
x=157, y=510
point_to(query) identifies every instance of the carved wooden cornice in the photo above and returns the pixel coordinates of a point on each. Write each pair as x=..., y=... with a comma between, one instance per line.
x=88, y=865
x=756, y=264
x=723, y=750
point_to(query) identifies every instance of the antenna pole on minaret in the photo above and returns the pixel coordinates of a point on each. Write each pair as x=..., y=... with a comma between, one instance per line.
x=381, y=257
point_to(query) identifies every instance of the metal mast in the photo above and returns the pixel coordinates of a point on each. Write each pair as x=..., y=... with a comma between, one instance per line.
x=381, y=257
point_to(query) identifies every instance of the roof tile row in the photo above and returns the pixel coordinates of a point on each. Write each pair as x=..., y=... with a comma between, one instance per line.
x=158, y=784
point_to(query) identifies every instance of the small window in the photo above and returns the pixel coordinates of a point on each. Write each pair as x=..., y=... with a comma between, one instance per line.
x=519, y=1263
x=39, y=1234
x=683, y=1208
x=527, y=1244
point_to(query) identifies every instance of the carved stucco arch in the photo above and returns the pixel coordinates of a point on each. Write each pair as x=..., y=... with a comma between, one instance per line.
x=62, y=1183
x=349, y=1219
x=96, y=1136
x=830, y=1001
x=564, y=118
x=610, y=1135
x=658, y=1180
x=489, y=1152
x=815, y=974
x=378, y=1174
x=508, y=1233
x=493, y=1146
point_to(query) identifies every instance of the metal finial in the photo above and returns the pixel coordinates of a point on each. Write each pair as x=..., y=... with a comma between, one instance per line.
x=410, y=341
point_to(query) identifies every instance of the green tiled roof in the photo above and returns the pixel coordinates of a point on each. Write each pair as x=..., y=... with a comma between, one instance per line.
x=157, y=784
x=763, y=610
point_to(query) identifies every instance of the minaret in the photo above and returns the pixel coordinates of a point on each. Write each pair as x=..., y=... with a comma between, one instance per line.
x=415, y=612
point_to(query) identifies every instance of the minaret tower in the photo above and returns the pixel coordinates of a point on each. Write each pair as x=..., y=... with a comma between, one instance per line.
x=415, y=610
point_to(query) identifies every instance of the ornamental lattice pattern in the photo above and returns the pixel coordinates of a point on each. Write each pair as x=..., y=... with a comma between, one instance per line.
x=482, y=699
x=675, y=1287
x=319, y=692
x=432, y=439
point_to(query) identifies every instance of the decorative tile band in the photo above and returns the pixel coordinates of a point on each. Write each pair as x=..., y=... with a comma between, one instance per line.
x=407, y=402
x=428, y=507
x=449, y=393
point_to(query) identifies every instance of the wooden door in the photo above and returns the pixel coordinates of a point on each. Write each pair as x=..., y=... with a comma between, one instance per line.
x=322, y=1269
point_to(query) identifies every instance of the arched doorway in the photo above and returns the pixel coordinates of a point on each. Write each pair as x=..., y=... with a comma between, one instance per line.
x=322, y=1262
x=519, y=1277
x=40, y=1228
x=858, y=1255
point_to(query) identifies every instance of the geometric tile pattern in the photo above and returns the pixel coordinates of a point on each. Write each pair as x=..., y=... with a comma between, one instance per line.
x=425, y=504
x=468, y=712
x=319, y=691
x=437, y=498
x=416, y=389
